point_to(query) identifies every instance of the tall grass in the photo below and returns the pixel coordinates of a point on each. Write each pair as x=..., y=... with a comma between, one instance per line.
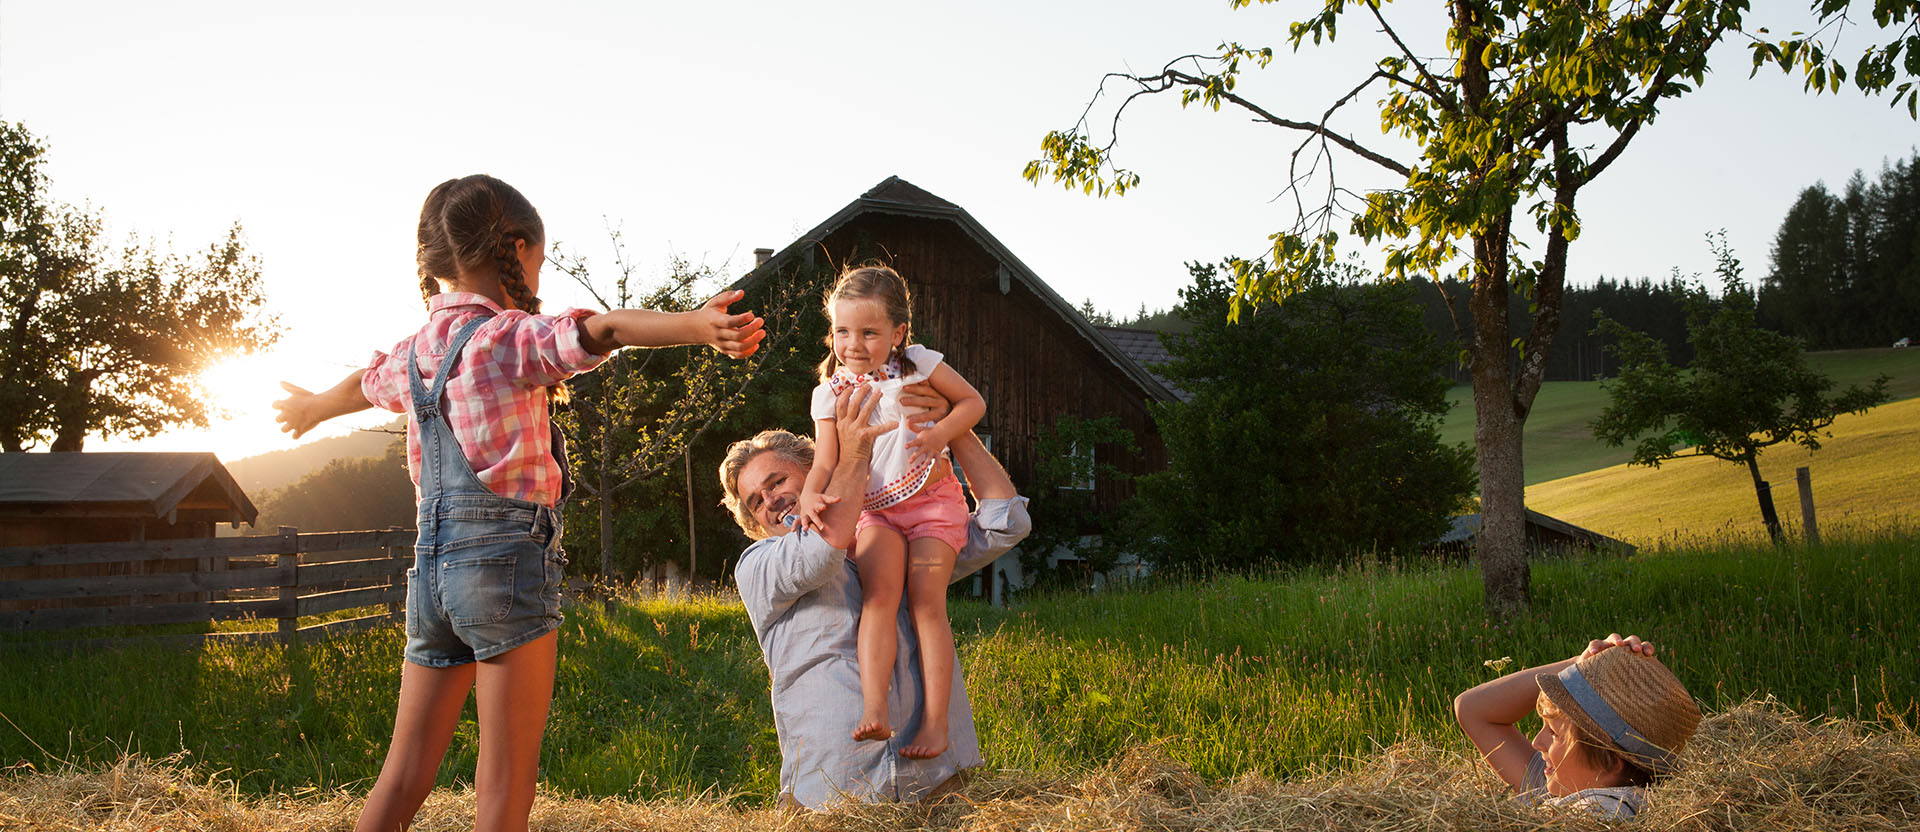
x=1280, y=675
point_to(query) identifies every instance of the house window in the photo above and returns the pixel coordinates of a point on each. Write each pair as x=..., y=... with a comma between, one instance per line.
x=1082, y=456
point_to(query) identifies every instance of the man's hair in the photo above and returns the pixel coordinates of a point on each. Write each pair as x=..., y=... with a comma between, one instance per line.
x=1598, y=755
x=795, y=449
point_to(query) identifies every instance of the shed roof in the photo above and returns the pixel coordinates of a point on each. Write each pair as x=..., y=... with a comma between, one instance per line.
x=1146, y=349
x=899, y=197
x=165, y=486
x=1466, y=526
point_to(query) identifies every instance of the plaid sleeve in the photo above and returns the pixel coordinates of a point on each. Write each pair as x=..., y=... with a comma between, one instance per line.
x=385, y=384
x=540, y=350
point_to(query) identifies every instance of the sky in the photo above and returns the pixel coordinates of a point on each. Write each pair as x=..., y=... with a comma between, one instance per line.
x=706, y=130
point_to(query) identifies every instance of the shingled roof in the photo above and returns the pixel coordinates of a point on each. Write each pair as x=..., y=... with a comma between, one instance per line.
x=165, y=486
x=1146, y=349
x=899, y=197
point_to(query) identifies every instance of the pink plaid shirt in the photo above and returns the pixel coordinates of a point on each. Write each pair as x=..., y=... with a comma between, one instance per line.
x=497, y=399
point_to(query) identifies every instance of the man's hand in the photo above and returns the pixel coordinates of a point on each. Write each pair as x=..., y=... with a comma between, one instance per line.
x=922, y=395
x=851, y=411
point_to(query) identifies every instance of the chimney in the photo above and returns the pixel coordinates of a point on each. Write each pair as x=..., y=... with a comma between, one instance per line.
x=761, y=256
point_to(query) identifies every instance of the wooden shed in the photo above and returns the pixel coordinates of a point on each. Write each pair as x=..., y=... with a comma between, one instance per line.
x=1032, y=356
x=55, y=498
x=1544, y=535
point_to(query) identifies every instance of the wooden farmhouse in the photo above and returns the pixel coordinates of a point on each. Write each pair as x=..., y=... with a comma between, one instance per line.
x=1032, y=356
x=59, y=498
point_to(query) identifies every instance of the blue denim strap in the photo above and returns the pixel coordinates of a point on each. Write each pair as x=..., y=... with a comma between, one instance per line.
x=426, y=402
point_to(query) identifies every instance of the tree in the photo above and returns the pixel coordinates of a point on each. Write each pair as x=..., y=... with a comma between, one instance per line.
x=1748, y=389
x=1533, y=103
x=347, y=494
x=101, y=342
x=641, y=413
x=1312, y=432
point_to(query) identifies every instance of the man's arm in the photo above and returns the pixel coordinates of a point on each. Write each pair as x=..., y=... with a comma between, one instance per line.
x=1001, y=521
x=847, y=490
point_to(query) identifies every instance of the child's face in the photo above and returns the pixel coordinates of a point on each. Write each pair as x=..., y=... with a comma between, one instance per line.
x=532, y=255
x=1568, y=770
x=862, y=335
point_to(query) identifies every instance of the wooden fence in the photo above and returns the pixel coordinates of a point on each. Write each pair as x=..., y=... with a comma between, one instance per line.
x=285, y=576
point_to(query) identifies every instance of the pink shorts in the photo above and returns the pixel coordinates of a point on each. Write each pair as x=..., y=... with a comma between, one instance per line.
x=939, y=511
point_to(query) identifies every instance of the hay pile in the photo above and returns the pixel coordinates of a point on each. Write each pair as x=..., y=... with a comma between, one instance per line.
x=1755, y=767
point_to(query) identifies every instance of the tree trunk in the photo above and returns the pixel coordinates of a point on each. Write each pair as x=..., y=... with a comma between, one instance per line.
x=1764, y=492
x=606, y=510
x=1501, y=546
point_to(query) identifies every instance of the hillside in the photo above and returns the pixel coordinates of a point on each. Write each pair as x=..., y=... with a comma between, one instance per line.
x=1862, y=479
x=263, y=473
x=1559, y=442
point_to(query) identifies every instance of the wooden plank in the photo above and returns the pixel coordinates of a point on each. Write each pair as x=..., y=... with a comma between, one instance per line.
x=95, y=587
x=336, y=541
x=353, y=570
x=347, y=599
x=61, y=618
x=75, y=553
x=345, y=625
x=188, y=640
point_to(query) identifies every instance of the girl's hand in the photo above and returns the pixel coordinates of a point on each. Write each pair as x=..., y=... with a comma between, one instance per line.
x=925, y=445
x=808, y=511
x=1632, y=643
x=299, y=412
x=735, y=336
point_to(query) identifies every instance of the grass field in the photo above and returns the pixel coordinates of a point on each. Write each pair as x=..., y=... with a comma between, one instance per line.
x=1865, y=476
x=1560, y=443
x=1279, y=676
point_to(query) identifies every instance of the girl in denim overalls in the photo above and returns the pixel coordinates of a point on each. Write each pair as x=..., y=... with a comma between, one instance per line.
x=483, y=597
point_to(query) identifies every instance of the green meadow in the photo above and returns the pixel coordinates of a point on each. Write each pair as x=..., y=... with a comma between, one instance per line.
x=1282, y=674
x=1559, y=442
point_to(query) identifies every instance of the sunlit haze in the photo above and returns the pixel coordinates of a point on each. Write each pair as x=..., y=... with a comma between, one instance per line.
x=709, y=129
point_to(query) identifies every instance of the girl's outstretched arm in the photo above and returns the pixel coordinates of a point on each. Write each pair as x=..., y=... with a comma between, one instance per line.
x=967, y=405
x=1489, y=711
x=826, y=456
x=737, y=336
x=304, y=409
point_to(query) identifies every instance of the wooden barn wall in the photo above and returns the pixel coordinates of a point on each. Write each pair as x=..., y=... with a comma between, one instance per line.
x=1029, y=365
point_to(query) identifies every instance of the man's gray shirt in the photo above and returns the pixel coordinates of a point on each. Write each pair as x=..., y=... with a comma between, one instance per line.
x=803, y=596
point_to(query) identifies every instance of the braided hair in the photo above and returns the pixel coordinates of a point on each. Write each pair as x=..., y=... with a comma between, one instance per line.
x=471, y=225
x=876, y=280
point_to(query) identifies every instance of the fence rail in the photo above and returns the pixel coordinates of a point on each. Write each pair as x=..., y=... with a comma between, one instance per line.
x=282, y=577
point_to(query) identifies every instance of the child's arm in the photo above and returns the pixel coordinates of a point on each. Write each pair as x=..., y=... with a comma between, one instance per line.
x=737, y=336
x=303, y=410
x=826, y=455
x=967, y=405
x=1489, y=711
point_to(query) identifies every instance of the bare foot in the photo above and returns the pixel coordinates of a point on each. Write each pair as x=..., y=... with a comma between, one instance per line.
x=927, y=744
x=873, y=727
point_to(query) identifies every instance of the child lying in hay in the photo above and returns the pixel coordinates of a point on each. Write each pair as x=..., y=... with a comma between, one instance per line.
x=1613, y=718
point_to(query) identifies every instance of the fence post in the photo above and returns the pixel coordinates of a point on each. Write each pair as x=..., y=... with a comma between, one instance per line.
x=289, y=562
x=1804, y=477
x=396, y=578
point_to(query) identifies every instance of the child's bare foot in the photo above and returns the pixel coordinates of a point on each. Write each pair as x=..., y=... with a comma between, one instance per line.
x=929, y=743
x=873, y=726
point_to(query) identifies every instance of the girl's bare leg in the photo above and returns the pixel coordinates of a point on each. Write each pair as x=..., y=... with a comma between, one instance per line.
x=930, y=567
x=513, y=693
x=882, y=563
x=430, y=702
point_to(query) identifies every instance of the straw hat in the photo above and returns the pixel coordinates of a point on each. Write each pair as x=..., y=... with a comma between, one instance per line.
x=1628, y=702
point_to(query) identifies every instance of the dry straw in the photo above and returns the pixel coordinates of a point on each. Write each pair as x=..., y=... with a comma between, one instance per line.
x=1756, y=767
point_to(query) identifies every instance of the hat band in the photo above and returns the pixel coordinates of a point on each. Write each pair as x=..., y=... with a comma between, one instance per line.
x=1609, y=720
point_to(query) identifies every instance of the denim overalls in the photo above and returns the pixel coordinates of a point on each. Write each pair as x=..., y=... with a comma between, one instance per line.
x=487, y=569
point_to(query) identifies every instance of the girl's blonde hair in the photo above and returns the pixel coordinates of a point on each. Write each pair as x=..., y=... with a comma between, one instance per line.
x=1597, y=755
x=872, y=280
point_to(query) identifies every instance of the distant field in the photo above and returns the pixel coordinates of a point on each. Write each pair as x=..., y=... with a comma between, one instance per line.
x=1559, y=442
x=1864, y=477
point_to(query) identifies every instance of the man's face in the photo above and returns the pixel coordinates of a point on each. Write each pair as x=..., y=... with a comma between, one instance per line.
x=769, y=488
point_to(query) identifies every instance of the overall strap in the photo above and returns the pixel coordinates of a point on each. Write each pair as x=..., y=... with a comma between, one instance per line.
x=426, y=402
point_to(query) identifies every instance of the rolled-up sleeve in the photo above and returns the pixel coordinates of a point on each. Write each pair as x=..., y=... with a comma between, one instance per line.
x=385, y=383
x=997, y=527
x=775, y=572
